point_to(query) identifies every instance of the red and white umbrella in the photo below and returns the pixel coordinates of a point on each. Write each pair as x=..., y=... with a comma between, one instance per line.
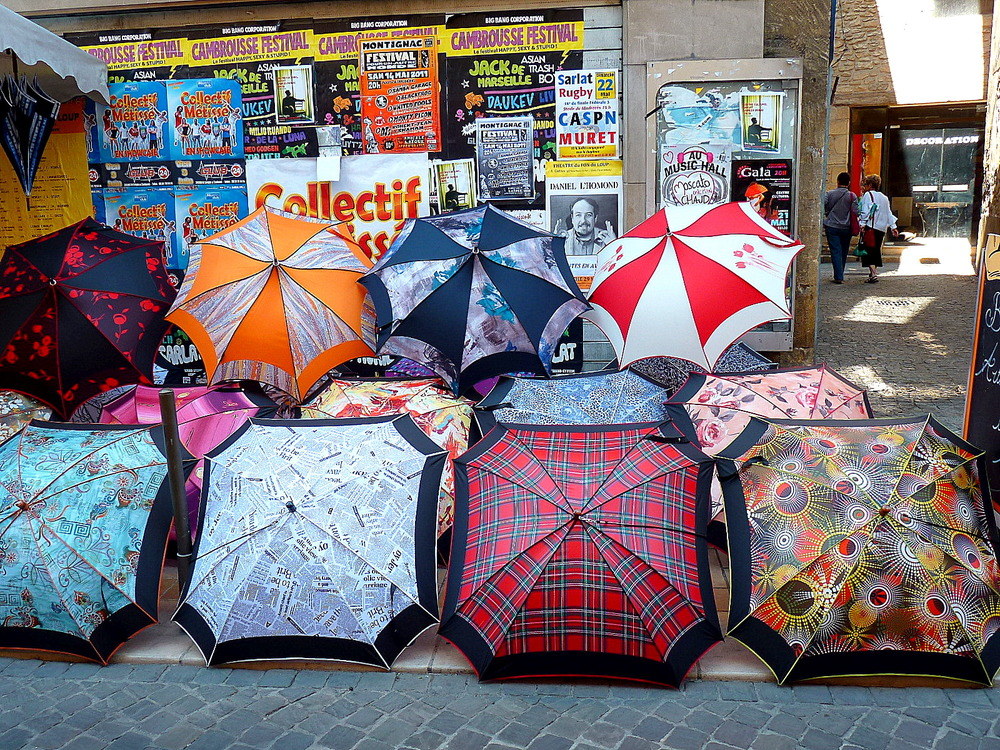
x=689, y=281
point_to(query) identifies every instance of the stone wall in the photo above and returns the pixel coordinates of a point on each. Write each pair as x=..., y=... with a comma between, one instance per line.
x=800, y=28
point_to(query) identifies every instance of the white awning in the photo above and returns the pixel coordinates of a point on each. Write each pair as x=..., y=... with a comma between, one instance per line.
x=63, y=69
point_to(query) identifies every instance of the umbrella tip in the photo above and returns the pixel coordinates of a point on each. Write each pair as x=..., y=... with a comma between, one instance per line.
x=291, y=506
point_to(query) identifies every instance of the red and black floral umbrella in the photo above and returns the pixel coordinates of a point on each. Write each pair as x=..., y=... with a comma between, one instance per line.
x=81, y=311
x=581, y=551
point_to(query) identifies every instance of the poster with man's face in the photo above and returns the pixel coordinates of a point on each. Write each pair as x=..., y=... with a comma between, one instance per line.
x=588, y=222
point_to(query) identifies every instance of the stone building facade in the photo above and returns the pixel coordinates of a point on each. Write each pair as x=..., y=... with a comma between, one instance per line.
x=909, y=75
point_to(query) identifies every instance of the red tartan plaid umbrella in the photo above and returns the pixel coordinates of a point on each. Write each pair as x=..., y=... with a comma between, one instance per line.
x=581, y=551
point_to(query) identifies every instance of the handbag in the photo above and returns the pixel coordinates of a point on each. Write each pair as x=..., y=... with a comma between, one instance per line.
x=855, y=224
x=868, y=237
x=860, y=251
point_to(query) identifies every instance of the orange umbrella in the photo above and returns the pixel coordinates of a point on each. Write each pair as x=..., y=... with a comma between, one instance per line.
x=274, y=298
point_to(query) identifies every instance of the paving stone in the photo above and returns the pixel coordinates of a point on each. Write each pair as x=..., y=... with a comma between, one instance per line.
x=517, y=734
x=341, y=738
x=550, y=742
x=735, y=734
x=427, y=739
x=84, y=742
x=684, y=737
x=467, y=740
x=364, y=717
x=638, y=743
x=815, y=739
x=276, y=678
x=653, y=729
x=916, y=732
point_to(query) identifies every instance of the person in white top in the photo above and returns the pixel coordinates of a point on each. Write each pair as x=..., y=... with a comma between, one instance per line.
x=874, y=212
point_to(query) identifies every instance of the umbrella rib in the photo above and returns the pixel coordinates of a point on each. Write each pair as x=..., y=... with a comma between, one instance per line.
x=565, y=509
x=906, y=464
x=366, y=562
x=97, y=328
x=85, y=456
x=90, y=565
x=55, y=587
x=958, y=562
x=285, y=275
x=503, y=569
x=181, y=303
x=96, y=477
x=652, y=637
x=524, y=329
x=661, y=527
x=485, y=256
x=961, y=625
x=241, y=539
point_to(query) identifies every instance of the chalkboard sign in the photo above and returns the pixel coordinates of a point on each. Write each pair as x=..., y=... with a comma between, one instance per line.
x=982, y=404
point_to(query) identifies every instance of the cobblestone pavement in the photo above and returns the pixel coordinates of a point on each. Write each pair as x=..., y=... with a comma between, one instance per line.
x=132, y=707
x=907, y=339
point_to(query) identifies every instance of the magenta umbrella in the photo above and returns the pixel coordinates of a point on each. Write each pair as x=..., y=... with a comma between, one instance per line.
x=206, y=416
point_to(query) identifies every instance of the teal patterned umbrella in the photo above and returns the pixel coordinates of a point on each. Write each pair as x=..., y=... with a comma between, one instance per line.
x=83, y=525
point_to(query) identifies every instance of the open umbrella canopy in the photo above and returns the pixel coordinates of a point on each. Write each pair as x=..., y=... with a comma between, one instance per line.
x=16, y=410
x=863, y=548
x=444, y=418
x=206, y=416
x=274, y=298
x=84, y=526
x=317, y=541
x=81, y=311
x=581, y=551
x=689, y=281
x=592, y=398
x=720, y=406
x=672, y=373
x=473, y=294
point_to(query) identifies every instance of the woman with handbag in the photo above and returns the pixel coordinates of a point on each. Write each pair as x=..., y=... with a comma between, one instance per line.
x=840, y=209
x=876, y=220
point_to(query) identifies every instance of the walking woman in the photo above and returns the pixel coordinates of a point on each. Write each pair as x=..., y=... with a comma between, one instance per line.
x=874, y=213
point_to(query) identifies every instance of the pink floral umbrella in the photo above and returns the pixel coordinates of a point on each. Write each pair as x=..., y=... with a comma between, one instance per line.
x=720, y=406
x=206, y=416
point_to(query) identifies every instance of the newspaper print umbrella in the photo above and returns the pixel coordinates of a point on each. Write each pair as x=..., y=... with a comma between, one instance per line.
x=81, y=311
x=84, y=526
x=689, y=281
x=589, y=398
x=581, y=551
x=444, y=418
x=316, y=542
x=472, y=294
x=27, y=117
x=206, y=416
x=16, y=410
x=863, y=548
x=274, y=298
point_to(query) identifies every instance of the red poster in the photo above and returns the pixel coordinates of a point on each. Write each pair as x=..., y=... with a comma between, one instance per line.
x=400, y=109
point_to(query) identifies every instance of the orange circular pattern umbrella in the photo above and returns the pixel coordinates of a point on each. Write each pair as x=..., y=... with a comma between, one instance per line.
x=274, y=298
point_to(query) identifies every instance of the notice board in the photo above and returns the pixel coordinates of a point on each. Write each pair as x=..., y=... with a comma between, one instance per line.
x=982, y=401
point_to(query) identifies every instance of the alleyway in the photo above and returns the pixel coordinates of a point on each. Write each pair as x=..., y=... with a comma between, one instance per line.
x=907, y=339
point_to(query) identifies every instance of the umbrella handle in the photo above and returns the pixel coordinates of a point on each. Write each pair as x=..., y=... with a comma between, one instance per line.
x=175, y=473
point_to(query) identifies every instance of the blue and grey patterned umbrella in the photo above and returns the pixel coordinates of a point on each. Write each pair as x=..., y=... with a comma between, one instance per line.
x=474, y=294
x=316, y=541
x=591, y=398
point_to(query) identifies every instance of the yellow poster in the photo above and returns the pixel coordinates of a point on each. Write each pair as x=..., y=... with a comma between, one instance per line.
x=514, y=39
x=61, y=194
